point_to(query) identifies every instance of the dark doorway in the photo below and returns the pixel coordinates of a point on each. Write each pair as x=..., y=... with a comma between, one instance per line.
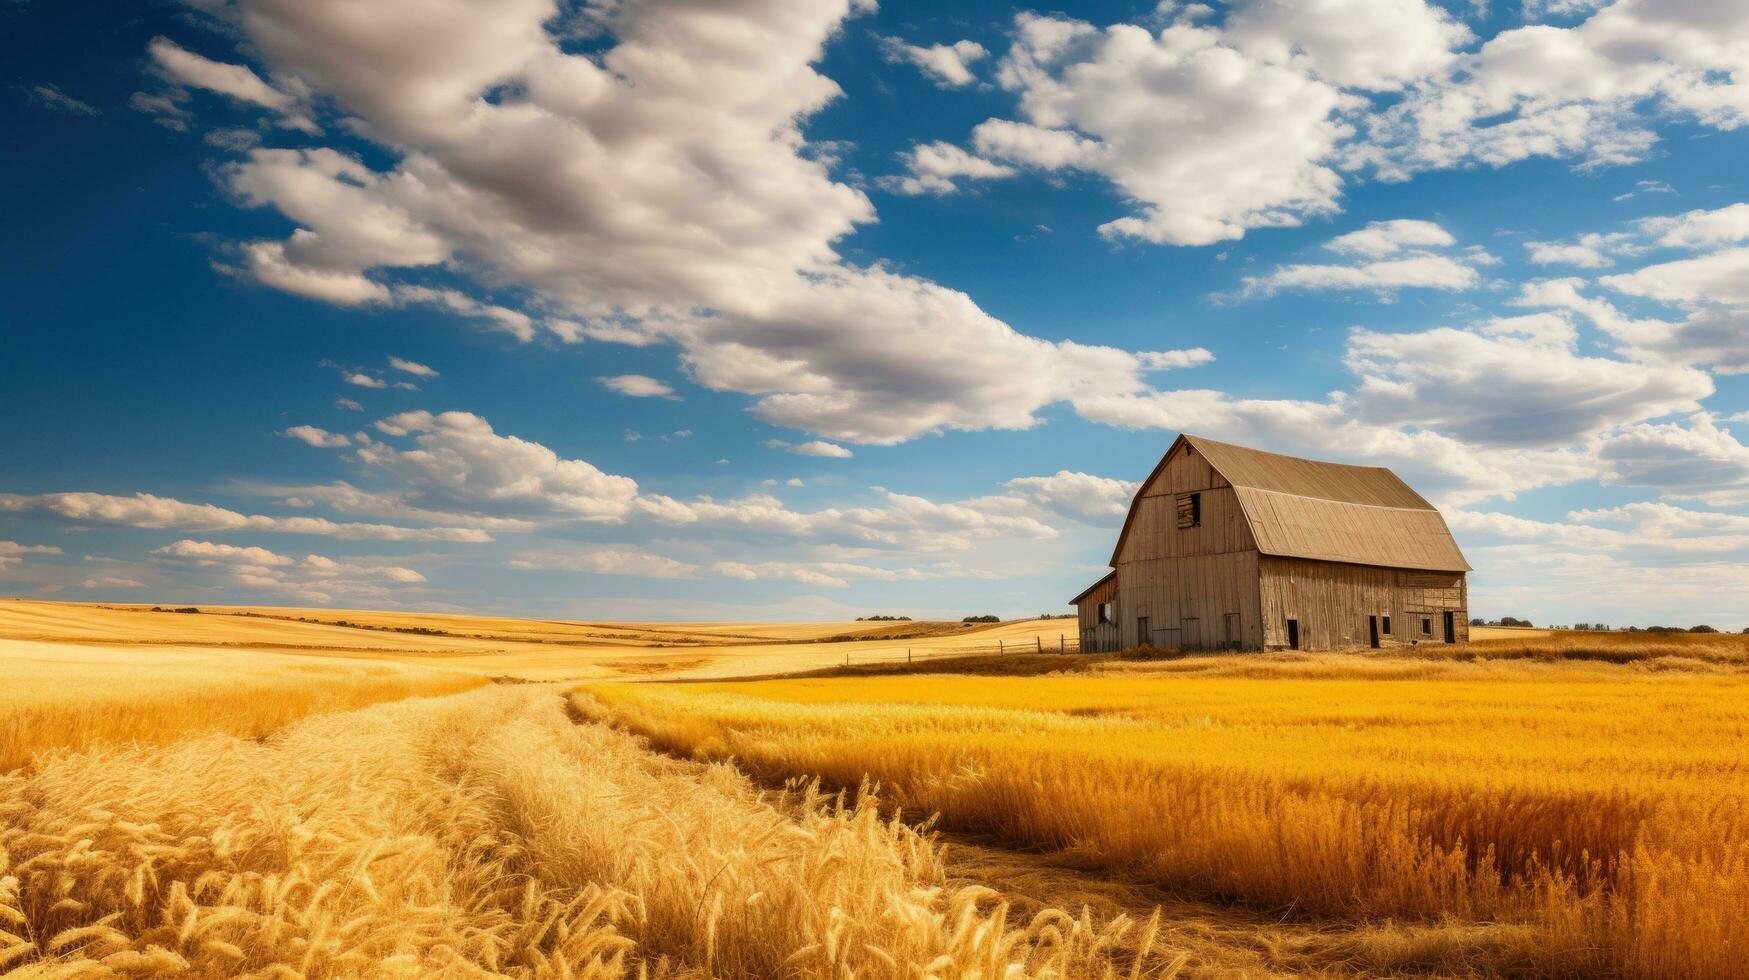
x=1450, y=628
x=1372, y=632
x=1142, y=637
x=1293, y=634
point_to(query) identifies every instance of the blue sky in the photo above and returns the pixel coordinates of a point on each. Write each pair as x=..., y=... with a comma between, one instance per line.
x=785, y=309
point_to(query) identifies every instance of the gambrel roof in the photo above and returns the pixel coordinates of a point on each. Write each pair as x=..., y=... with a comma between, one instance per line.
x=1306, y=508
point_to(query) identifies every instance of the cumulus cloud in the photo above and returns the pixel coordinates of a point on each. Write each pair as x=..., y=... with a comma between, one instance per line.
x=1097, y=499
x=111, y=582
x=1716, y=335
x=638, y=386
x=412, y=367
x=1379, y=45
x=1700, y=228
x=634, y=204
x=1588, y=251
x=1393, y=255
x=320, y=438
x=1207, y=140
x=817, y=447
x=149, y=511
x=932, y=168
x=1579, y=91
x=238, y=82
x=209, y=551
x=461, y=463
x=947, y=65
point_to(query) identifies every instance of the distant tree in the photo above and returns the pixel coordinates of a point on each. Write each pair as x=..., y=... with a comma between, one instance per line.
x=1702, y=628
x=982, y=619
x=1478, y=621
x=1515, y=621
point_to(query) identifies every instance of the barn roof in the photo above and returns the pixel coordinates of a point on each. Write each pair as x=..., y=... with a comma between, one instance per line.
x=1108, y=576
x=1306, y=508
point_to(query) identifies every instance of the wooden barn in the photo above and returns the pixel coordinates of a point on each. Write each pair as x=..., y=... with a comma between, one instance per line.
x=1233, y=548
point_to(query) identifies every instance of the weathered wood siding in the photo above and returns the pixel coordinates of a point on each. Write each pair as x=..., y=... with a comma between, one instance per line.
x=1332, y=602
x=1196, y=586
x=1097, y=637
x=1193, y=602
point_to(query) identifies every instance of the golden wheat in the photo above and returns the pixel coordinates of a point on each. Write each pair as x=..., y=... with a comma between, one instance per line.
x=59, y=696
x=1603, y=808
x=487, y=834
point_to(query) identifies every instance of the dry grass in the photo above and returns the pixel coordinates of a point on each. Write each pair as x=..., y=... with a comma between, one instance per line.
x=57, y=696
x=486, y=835
x=1590, y=819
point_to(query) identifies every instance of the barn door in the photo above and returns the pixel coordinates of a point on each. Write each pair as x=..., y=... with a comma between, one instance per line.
x=1372, y=632
x=1230, y=630
x=1142, y=636
x=1450, y=628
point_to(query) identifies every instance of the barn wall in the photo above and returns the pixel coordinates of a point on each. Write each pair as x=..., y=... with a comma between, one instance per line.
x=1097, y=637
x=1191, y=602
x=1333, y=601
x=1195, y=586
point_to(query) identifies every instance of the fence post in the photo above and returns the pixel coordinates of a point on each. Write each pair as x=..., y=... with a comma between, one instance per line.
x=847, y=658
x=1062, y=644
x=907, y=654
x=1038, y=644
x=999, y=650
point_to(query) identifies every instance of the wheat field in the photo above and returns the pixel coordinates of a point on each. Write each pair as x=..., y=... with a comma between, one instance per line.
x=1598, y=810
x=488, y=834
x=272, y=792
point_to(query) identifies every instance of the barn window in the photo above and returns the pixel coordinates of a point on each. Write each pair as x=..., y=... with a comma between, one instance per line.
x=1105, y=616
x=1426, y=626
x=1189, y=509
x=1387, y=626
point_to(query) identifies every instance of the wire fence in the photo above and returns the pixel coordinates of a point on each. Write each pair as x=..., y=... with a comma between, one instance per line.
x=1065, y=643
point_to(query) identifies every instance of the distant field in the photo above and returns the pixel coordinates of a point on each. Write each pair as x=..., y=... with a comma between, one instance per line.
x=1568, y=817
x=494, y=646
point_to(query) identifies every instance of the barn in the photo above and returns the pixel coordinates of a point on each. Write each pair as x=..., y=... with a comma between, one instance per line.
x=1227, y=547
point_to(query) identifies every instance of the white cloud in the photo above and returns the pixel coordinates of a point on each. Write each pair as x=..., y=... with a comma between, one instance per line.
x=362, y=380
x=607, y=561
x=348, y=404
x=1588, y=251
x=1384, y=238
x=1512, y=382
x=14, y=548
x=182, y=67
x=1082, y=496
x=149, y=511
x=1720, y=278
x=1698, y=459
x=931, y=168
x=320, y=438
x=1717, y=336
x=462, y=463
x=947, y=65
x=1207, y=140
x=513, y=322
x=635, y=203
x=638, y=386
x=52, y=97
x=1393, y=255
x=1700, y=228
x=1578, y=91
x=1366, y=44
x=412, y=367
x=111, y=582
x=817, y=447
x=215, y=552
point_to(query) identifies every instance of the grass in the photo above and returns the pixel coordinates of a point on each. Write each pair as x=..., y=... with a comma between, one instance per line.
x=489, y=834
x=1599, y=810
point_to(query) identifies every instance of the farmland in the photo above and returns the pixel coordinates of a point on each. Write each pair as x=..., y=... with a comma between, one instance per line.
x=334, y=792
